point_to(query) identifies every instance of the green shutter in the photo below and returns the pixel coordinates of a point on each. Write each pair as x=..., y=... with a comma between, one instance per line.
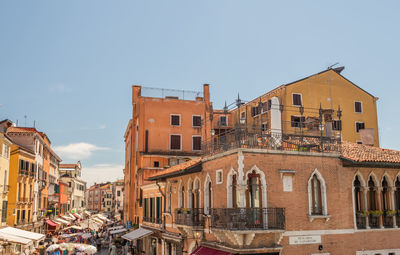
x=158, y=208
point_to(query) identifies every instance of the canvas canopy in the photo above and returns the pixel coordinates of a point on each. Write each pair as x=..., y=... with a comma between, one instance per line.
x=117, y=231
x=15, y=239
x=61, y=221
x=137, y=234
x=115, y=228
x=22, y=233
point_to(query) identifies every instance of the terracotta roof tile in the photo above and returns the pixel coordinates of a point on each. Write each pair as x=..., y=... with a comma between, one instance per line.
x=178, y=168
x=363, y=153
x=21, y=130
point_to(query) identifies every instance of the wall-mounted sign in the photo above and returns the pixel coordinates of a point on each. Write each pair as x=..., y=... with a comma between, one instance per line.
x=293, y=240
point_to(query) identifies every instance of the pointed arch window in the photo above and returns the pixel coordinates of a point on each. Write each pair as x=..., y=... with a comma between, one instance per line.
x=207, y=196
x=169, y=196
x=235, y=202
x=385, y=195
x=397, y=194
x=371, y=195
x=182, y=196
x=358, y=195
x=196, y=194
x=253, y=191
x=317, y=195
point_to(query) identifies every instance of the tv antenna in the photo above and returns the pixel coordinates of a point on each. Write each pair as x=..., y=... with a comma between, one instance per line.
x=330, y=67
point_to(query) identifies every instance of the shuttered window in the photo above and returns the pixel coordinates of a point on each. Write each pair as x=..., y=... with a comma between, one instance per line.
x=297, y=121
x=196, y=143
x=175, y=142
x=337, y=125
x=196, y=121
x=297, y=99
x=358, y=107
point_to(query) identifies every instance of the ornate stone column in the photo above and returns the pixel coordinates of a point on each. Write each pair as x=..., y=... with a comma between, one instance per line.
x=378, y=194
x=364, y=204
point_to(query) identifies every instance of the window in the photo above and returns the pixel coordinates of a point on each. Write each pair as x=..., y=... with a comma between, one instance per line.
x=264, y=126
x=175, y=120
x=219, y=178
x=182, y=196
x=266, y=106
x=359, y=125
x=242, y=117
x=169, y=196
x=118, y=193
x=296, y=100
x=337, y=125
x=196, y=121
x=222, y=121
x=358, y=107
x=298, y=121
x=316, y=196
x=6, y=150
x=156, y=164
x=196, y=143
x=175, y=142
x=255, y=111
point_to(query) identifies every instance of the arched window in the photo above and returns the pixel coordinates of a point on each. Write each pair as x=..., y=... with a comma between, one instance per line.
x=316, y=199
x=358, y=195
x=253, y=191
x=190, y=194
x=235, y=202
x=385, y=195
x=317, y=194
x=371, y=195
x=207, y=195
x=397, y=194
x=169, y=196
x=182, y=196
x=196, y=194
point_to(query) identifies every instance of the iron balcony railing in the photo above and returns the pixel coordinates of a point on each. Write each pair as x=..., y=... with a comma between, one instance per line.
x=361, y=221
x=252, y=138
x=374, y=221
x=387, y=221
x=248, y=218
x=189, y=216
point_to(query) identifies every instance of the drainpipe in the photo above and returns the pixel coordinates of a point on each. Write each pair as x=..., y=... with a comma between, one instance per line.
x=162, y=194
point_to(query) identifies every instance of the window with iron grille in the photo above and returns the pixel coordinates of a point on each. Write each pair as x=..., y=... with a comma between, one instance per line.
x=359, y=125
x=196, y=121
x=337, y=125
x=175, y=120
x=175, y=142
x=196, y=143
x=358, y=107
x=296, y=99
x=298, y=121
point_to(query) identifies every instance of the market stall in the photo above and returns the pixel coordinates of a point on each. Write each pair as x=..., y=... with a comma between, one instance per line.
x=72, y=247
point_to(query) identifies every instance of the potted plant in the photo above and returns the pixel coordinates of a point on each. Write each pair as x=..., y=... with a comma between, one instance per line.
x=390, y=213
x=376, y=213
x=178, y=210
x=363, y=213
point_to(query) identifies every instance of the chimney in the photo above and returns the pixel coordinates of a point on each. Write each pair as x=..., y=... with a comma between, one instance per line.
x=206, y=92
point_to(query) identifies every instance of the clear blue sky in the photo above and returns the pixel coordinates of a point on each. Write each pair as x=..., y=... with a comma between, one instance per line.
x=70, y=65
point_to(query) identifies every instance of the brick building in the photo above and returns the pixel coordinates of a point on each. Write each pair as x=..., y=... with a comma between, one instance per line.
x=271, y=176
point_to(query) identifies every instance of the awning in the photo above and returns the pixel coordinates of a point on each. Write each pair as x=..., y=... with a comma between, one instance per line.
x=117, y=231
x=137, y=234
x=67, y=217
x=115, y=228
x=74, y=227
x=72, y=216
x=201, y=250
x=77, y=215
x=51, y=223
x=22, y=233
x=15, y=239
x=87, y=212
x=61, y=221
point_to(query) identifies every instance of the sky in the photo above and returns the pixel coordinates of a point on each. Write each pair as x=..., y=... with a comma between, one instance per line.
x=69, y=65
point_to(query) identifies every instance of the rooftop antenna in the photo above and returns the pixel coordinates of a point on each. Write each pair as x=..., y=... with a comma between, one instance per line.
x=34, y=123
x=330, y=67
x=225, y=108
x=25, y=119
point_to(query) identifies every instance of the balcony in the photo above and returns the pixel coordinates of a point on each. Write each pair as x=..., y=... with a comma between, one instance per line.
x=248, y=218
x=361, y=221
x=374, y=221
x=189, y=217
x=387, y=221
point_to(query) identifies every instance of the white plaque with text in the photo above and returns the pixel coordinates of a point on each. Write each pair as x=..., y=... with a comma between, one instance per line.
x=293, y=240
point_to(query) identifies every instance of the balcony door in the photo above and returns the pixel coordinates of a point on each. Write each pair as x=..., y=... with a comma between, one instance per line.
x=254, y=199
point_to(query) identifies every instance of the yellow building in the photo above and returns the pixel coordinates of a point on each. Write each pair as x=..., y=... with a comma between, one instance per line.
x=21, y=183
x=325, y=102
x=5, y=144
